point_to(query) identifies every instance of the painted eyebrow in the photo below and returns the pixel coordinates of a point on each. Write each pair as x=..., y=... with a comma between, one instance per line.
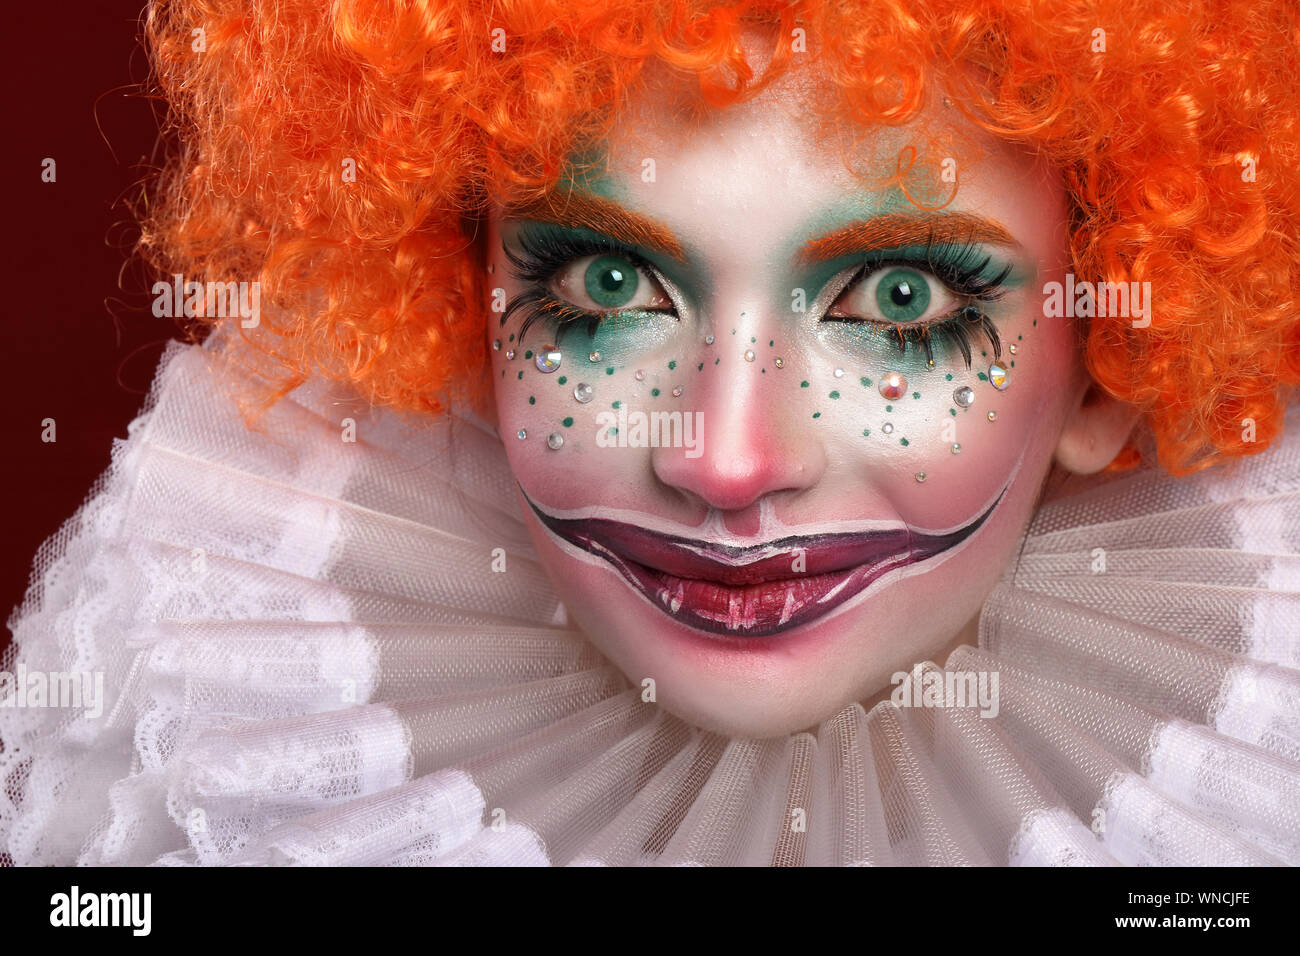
x=600, y=215
x=899, y=229
x=609, y=218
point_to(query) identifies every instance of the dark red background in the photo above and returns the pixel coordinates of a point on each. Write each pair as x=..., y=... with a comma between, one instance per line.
x=78, y=337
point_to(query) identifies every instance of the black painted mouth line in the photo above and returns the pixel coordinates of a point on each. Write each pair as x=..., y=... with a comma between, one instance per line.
x=752, y=591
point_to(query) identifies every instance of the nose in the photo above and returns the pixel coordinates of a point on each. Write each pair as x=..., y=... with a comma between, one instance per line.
x=757, y=439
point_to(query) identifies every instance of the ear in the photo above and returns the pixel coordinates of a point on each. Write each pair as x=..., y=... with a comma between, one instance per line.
x=1095, y=432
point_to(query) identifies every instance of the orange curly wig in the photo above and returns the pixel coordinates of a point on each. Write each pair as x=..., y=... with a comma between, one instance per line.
x=1179, y=145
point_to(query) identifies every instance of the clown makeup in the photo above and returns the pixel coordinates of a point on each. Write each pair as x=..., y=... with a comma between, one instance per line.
x=776, y=433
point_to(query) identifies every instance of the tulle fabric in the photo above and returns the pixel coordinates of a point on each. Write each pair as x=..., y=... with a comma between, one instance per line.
x=327, y=651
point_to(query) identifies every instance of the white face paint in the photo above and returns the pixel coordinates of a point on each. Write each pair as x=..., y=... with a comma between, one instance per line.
x=842, y=506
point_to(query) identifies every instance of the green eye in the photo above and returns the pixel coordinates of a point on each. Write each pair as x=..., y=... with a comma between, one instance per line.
x=903, y=295
x=611, y=281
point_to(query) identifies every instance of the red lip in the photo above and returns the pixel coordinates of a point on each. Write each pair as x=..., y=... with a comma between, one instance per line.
x=751, y=591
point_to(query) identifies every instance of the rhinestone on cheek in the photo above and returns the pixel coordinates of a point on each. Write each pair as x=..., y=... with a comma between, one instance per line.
x=708, y=340
x=839, y=373
x=548, y=359
x=510, y=354
x=998, y=376
x=593, y=357
x=964, y=396
x=920, y=476
x=1012, y=348
x=496, y=345
x=779, y=362
x=893, y=385
x=887, y=428
x=554, y=440
x=993, y=416
x=749, y=355
x=639, y=376
x=522, y=433
x=677, y=392
x=956, y=448
x=584, y=393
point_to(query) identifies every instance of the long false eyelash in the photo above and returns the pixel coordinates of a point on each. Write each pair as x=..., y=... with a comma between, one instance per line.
x=540, y=303
x=539, y=259
x=961, y=268
x=957, y=328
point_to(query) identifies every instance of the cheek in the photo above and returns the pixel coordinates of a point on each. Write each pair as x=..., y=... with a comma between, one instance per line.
x=940, y=444
x=555, y=407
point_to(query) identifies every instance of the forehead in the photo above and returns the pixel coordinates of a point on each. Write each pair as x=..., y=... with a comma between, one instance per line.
x=775, y=170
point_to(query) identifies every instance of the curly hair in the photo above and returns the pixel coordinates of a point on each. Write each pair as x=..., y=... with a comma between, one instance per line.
x=1177, y=137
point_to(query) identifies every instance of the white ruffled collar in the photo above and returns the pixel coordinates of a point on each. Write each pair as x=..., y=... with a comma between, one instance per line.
x=301, y=666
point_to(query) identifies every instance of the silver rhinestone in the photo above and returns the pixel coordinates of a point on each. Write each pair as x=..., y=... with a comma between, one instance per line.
x=593, y=357
x=554, y=440
x=839, y=373
x=677, y=392
x=510, y=354
x=993, y=416
x=998, y=377
x=964, y=396
x=584, y=393
x=749, y=355
x=920, y=476
x=956, y=448
x=1012, y=348
x=639, y=376
x=887, y=428
x=522, y=433
x=779, y=362
x=548, y=359
x=496, y=346
x=708, y=340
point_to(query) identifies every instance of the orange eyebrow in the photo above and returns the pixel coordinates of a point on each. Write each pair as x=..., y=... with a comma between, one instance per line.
x=600, y=215
x=897, y=230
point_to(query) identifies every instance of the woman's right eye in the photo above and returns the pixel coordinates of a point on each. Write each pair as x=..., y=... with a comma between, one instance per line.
x=608, y=283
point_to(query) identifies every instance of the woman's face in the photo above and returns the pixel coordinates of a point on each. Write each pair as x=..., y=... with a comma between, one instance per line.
x=742, y=486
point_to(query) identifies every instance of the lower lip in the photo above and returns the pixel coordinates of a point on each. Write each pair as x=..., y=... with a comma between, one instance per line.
x=753, y=610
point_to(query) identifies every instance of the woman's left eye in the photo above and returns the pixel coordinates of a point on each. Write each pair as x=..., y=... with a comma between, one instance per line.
x=608, y=283
x=895, y=294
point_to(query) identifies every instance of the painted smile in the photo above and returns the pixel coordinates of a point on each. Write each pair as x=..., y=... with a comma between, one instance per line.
x=757, y=590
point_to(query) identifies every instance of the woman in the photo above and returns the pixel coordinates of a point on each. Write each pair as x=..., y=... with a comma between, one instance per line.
x=790, y=315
